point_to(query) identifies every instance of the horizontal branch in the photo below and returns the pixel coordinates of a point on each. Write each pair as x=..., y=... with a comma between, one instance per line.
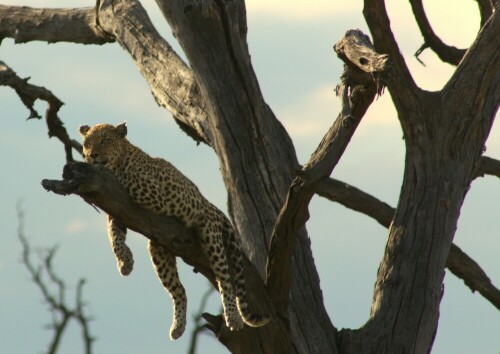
x=488, y=166
x=362, y=61
x=28, y=94
x=458, y=262
x=25, y=24
x=355, y=199
x=98, y=187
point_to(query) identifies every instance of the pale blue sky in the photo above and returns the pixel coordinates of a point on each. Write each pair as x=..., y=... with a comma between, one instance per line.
x=291, y=48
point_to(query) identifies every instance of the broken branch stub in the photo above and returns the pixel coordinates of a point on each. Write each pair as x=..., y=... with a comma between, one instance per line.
x=357, y=52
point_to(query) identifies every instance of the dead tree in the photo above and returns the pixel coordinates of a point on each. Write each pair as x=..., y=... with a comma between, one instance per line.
x=54, y=293
x=216, y=100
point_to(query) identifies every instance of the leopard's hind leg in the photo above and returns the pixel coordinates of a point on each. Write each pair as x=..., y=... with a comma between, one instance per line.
x=212, y=244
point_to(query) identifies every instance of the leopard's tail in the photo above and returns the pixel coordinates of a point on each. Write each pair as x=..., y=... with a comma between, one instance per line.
x=235, y=255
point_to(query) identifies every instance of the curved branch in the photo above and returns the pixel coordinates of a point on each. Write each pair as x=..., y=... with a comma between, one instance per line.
x=485, y=10
x=29, y=94
x=448, y=54
x=458, y=262
x=25, y=24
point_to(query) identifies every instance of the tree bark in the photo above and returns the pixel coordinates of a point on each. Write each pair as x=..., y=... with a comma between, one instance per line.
x=444, y=134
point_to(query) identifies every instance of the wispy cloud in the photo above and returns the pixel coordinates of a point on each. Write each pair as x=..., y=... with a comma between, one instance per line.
x=74, y=226
x=310, y=116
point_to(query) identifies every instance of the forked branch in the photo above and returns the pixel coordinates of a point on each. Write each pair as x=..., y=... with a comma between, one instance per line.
x=45, y=278
x=28, y=94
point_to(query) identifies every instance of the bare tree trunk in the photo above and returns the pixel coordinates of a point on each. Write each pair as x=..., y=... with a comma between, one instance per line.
x=445, y=134
x=257, y=162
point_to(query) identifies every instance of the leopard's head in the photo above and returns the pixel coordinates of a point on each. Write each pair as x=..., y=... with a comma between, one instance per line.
x=103, y=144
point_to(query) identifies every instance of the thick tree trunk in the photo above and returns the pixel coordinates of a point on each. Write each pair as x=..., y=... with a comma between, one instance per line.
x=444, y=133
x=258, y=163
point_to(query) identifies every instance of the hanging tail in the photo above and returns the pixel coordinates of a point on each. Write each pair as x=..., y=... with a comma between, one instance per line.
x=235, y=256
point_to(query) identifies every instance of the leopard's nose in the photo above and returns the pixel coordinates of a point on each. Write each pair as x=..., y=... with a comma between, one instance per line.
x=90, y=158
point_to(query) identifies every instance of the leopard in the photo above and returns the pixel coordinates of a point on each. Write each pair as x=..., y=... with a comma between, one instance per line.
x=158, y=186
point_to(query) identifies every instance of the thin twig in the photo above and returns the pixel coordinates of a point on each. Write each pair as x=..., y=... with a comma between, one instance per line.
x=28, y=94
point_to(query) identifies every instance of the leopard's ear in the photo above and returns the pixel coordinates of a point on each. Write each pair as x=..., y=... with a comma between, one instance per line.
x=83, y=129
x=121, y=129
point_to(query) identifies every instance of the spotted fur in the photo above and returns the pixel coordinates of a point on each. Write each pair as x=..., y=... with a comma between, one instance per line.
x=158, y=186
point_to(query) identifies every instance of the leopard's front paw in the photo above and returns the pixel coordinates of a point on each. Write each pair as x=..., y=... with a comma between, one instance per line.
x=177, y=330
x=125, y=267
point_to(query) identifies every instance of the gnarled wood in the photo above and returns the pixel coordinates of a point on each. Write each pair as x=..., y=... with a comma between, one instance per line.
x=28, y=94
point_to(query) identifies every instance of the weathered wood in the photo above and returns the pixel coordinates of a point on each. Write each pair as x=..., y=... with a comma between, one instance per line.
x=28, y=94
x=172, y=83
x=294, y=214
x=444, y=134
x=24, y=24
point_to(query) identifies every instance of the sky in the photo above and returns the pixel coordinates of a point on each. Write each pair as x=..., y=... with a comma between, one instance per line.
x=291, y=49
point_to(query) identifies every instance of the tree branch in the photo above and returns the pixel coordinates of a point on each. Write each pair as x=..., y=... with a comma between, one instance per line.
x=355, y=199
x=97, y=186
x=458, y=262
x=357, y=51
x=488, y=166
x=376, y=17
x=448, y=54
x=172, y=83
x=485, y=10
x=199, y=327
x=465, y=268
x=29, y=94
x=61, y=313
x=25, y=24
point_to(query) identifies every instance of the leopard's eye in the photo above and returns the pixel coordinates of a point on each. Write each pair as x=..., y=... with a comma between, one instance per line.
x=86, y=144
